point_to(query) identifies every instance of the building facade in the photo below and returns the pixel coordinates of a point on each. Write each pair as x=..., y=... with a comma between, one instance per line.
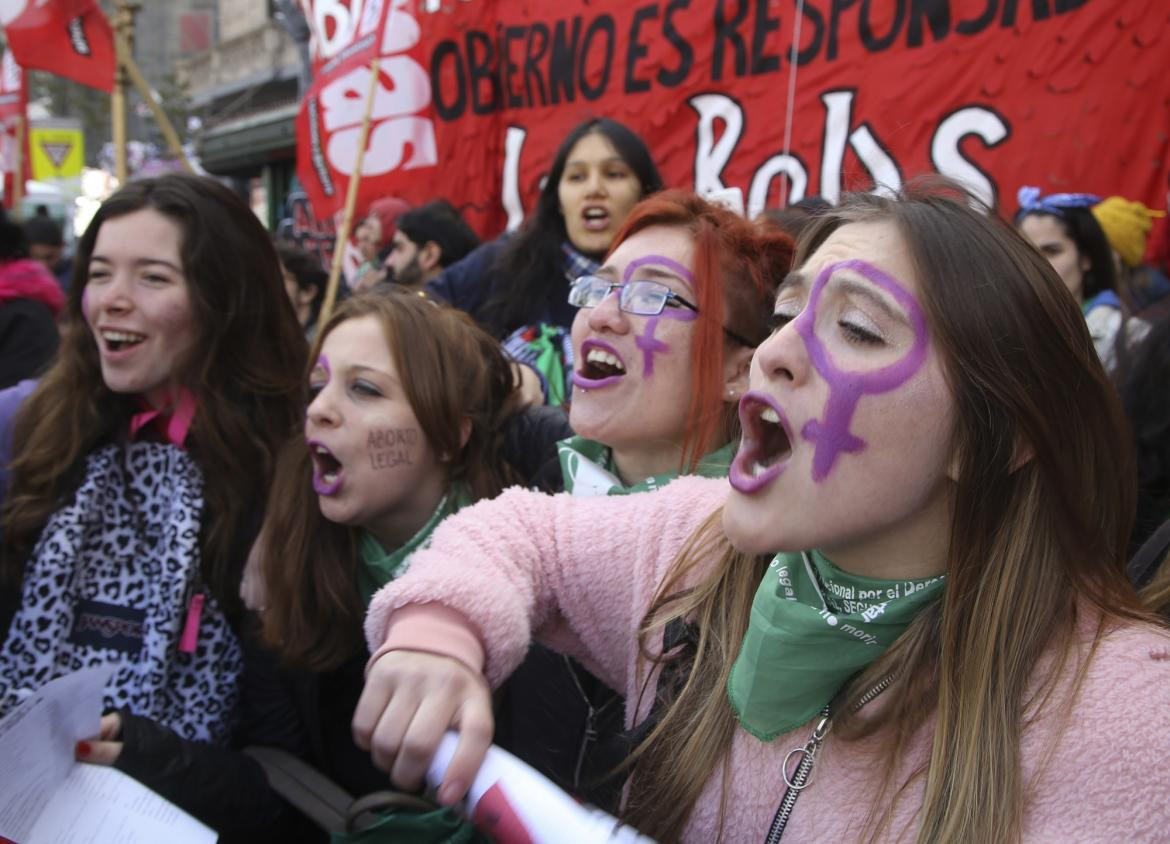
x=246, y=85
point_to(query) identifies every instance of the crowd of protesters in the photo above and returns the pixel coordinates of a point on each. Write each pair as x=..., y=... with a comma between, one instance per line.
x=865, y=504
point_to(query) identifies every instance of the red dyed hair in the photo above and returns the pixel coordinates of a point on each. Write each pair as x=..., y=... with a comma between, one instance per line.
x=387, y=209
x=738, y=267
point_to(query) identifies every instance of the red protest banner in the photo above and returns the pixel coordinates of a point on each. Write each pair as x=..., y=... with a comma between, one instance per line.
x=780, y=98
x=70, y=38
x=346, y=37
x=14, y=157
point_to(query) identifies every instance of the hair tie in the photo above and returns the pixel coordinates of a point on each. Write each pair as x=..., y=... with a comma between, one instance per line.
x=1032, y=202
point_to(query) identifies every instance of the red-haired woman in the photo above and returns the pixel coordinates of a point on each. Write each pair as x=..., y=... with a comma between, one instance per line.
x=663, y=341
x=661, y=345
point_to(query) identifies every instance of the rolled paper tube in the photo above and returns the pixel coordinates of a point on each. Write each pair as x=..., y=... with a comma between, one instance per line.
x=515, y=805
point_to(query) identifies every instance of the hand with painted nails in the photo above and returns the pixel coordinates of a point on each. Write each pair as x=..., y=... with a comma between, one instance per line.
x=410, y=700
x=106, y=747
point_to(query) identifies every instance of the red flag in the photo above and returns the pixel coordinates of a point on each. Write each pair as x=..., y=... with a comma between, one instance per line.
x=347, y=35
x=13, y=125
x=70, y=38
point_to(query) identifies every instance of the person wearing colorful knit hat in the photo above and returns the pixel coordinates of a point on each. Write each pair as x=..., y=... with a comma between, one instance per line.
x=30, y=302
x=1127, y=226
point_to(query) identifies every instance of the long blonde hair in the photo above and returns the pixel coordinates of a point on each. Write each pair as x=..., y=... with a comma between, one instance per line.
x=1041, y=519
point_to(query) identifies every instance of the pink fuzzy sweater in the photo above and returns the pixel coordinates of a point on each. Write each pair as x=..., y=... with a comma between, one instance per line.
x=579, y=574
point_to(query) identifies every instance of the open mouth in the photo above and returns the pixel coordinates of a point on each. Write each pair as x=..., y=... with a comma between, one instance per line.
x=327, y=469
x=766, y=444
x=117, y=341
x=600, y=365
x=595, y=218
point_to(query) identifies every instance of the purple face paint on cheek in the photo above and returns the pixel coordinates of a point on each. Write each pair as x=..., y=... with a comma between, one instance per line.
x=323, y=365
x=649, y=345
x=646, y=341
x=831, y=434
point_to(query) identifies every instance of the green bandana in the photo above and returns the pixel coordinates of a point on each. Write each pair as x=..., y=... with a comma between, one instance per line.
x=588, y=469
x=549, y=361
x=378, y=567
x=813, y=627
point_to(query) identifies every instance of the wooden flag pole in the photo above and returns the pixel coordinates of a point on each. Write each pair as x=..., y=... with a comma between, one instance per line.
x=350, y=201
x=118, y=124
x=18, y=167
x=160, y=116
x=123, y=24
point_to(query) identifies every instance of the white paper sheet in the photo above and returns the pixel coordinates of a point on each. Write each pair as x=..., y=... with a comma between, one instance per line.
x=48, y=798
x=97, y=805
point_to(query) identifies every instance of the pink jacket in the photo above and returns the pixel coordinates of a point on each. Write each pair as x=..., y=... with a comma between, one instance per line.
x=579, y=574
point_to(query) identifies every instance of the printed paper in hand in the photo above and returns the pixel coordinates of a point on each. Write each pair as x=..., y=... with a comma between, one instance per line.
x=48, y=798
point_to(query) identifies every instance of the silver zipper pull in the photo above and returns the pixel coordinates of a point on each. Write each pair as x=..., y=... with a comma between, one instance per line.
x=802, y=774
x=802, y=777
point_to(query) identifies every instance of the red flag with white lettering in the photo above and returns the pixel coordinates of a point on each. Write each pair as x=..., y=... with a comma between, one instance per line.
x=69, y=38
x=347, y=36
x=13, y=125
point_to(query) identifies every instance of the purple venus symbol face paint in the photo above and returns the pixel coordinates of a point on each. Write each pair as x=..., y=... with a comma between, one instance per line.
x=646, y=341
x=323, y=365
x=831, y=434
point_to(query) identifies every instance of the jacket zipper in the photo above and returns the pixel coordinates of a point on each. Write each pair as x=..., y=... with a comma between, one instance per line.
x=802, y=777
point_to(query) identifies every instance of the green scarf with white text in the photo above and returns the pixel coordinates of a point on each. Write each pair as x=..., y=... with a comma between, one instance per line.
x=588, y=468
x=378, y=566
x=812, y=627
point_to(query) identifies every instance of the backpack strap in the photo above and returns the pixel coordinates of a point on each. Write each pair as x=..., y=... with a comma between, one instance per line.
x=304, y=787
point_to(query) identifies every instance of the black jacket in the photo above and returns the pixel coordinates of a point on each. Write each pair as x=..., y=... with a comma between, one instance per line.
x=304, y=713
x=471, y=282
x=28, y=340
x=552, y=713
x=530, y=445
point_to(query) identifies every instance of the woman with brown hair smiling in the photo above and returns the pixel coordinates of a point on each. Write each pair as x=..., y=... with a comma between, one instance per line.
x=143, y=457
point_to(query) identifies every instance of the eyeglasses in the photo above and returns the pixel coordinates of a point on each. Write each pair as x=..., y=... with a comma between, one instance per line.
x=641, y=298
x=644, y=298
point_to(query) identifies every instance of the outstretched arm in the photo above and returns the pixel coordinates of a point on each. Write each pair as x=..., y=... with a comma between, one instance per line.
x=578, y=574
